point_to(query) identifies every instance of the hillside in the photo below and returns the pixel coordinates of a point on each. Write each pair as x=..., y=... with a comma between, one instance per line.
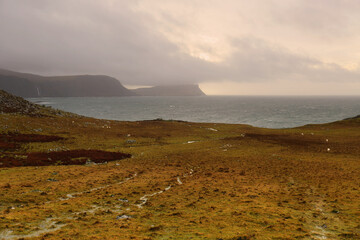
x=10, y=104
x=179, y=90
x=30, y=85
x=64, y=177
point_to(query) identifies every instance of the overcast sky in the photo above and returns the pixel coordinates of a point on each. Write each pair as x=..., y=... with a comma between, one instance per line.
x=257, y=47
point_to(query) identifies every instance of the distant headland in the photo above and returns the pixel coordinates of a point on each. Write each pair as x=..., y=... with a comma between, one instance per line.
x=30, y=85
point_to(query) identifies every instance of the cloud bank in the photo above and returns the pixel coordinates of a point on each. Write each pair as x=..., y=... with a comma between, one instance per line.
x=159, y=42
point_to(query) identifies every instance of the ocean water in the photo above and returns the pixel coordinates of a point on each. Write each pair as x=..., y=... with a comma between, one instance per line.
x=270, y=112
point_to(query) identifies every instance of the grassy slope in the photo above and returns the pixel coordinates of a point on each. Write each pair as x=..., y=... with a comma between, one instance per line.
x=238, y=181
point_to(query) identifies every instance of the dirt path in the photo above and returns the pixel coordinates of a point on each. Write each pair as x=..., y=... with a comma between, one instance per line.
x=77, y=194
x=321, y=220
x=46, y=226
x=144, y=199
x=319, y=229
x=54, y=224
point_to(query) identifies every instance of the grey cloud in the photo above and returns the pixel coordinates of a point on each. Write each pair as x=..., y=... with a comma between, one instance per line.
x=257, y=60
x=76, y=37
x=71, y=38
x=329, y=20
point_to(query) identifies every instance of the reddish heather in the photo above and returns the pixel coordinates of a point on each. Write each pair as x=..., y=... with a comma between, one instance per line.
x=13, y=141
x=24, y=138
x=72, y=157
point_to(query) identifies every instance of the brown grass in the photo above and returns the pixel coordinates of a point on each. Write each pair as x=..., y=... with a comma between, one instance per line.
x=183, y=181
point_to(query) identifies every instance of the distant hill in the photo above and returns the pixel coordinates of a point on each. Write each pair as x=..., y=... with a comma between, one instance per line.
x=356, y=117
x=179, y=90
x=30, y=85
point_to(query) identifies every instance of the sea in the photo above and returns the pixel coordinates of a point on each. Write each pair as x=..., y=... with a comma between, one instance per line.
x=259, y=111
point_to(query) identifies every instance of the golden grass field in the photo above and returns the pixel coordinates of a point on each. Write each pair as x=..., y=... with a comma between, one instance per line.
x=183, y=180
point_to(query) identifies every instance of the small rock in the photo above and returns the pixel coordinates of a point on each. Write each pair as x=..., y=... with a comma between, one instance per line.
x=123, y=217
x=89, y=162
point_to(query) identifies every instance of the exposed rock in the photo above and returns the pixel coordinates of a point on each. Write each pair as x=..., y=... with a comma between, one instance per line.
x=13, y=104
x=123, y=217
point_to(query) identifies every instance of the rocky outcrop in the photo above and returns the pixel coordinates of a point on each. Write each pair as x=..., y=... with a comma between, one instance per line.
x=17, y=105
x=12, y=104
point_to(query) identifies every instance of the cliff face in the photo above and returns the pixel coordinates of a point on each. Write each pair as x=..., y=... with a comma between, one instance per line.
x=29, y=85
x=82, y=86
x=180, y=90
x=13, y=104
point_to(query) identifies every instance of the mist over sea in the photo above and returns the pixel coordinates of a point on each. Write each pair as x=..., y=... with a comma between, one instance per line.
x=270, y=112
